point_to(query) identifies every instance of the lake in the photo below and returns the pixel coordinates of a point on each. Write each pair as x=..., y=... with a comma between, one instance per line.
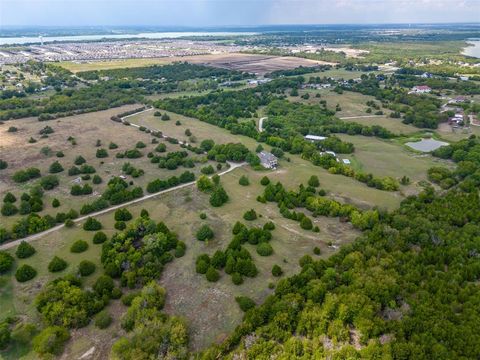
x=474, y=50
x=152, y=35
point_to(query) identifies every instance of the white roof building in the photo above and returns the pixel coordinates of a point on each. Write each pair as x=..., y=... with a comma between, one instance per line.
x=314, y=138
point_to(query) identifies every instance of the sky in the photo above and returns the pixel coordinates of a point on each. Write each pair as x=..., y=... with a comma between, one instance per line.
x=233, y=12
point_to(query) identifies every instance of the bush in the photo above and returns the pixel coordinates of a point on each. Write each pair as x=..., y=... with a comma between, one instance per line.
x=103, y=319
x=202, y=266
x=306, y=223
x=8, y=209
x=23, y=333
x=3, y=164
x=269, y=226
x=104, y=285
x=60, y=154
x=49, y=182
x=237, y=279
x=25, y=273
x=50, y=341
x=120, y=225
x=313, y=181
x=69, y=223
x=55, y=167
x=9, y=198
x=86, y=268
x=250, y=215
x=99, y=238
x=79, y=160
x=25, y=175
x=112, y=146
x=6, y=262
x=79, y=246
x=205, y=233
x=244, y=181
x=116, y=293
x=219, y=197
x=122, y=215
x=203, y=216
x=97, y=179
x=101, y=153
x=277, y=270
x=265, y=181
x=264, y=249
x=92, y=224
x=212, y=274
x=165, y=117
x=24, y=250
x=245, y=303
x=128, y=298
x=55, y=203
x=208, y=170
x=57, y=264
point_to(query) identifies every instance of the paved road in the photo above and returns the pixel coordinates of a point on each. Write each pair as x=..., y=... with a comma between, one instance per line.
x=359, y=117
x=260, y=123
x=30, y=238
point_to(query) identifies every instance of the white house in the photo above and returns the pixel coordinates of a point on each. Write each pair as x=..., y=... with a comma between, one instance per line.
x=421, y=89
x=268, y=160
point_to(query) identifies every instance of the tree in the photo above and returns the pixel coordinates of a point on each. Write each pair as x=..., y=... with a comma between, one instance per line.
x=6, y=262
x=212, y=275
x=245, y=303
x=79, y=246
x=250, y=215
x=55, y=203
x=9, y=198
x=207, y=145
x=101, y=153
x=218, y=197
x=55, y=167
x=204, y=233
x=244, y=181
x=24, y=250
x=264, y=249
x=313, y=181
x=123, y=214
x=79, y=160
x=265, y=181
x=8, y=209
x=49, y=182
x=306, y=223
x=57, y=264
x=103, y=319
x=50, y=341
x=3, y=164
x=92, y=224
x=99, y=238
x=96, y=179
x=86, y=268
x=25, y=273
x=165, y=117
x=277, y=270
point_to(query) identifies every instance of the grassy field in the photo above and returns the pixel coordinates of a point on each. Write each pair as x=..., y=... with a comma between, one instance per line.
x=86, y=129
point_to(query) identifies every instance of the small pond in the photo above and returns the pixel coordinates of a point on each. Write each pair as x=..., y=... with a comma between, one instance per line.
x=426, y=145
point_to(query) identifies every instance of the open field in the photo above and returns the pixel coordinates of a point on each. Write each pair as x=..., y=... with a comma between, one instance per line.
x=86, y=129
x=259, y=64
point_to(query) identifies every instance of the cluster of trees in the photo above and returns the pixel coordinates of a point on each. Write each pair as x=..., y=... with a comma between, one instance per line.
x=159, y=185
x=410, y=279
x=406, y=78
x=138, y=254
x=218, y=195
x=22, y=176
x=236, y=260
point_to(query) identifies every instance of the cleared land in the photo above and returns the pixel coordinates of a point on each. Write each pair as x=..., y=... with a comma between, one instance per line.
x=259, y=64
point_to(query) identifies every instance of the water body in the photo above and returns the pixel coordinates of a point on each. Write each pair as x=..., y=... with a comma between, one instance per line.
x=474, y=50
x=153, y=35
x=426, y=145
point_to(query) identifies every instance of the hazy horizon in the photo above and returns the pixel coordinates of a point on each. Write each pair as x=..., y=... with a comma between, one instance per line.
x=233, y=13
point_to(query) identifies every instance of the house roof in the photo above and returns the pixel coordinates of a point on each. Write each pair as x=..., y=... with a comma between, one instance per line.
x=315, y=137
x=265, y=156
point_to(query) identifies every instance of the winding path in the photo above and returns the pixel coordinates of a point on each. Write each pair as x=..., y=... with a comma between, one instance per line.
x=39, y=235
x=260, y=123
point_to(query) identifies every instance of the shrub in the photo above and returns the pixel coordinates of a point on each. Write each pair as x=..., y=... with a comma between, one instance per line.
x=212, y=274
x=49, y=182
x=12, y=129
x=79, y=246
x=86, y=268
x=264, y=249
x=103, y=319
x=57, y=264
x=316, y=250
x=244, y=181
x=112, y=146
x=128, y=298
x=6, y=262
x=120, y=225
x=3, y=164
x=32, y=140
x=97, y=179
x=9, y=198
x=208, y=170
x=203, y=216
x=123, y=215
x=25, y=175
x=55, y=203
x=165, y=117
x=79, y=160
x=265, y=181
x=313, y=181
x=269, y=226
x=69, y=223
x=202, y=266
x=23, y=333
x=55, y=167
x=99, y=238
x=306, y=223
x=250, y=215
x=92, y=225
x=73, y=171
x=161, y=148
x=237, y=279
x=219, y=197
x=116, y=293
x=60, y=154
x=24, y=250
x=104, y=285
x=8, y=209
x=101, y=153
x=205, y=233
x=50, y=341
x=277, y=270
x=25, y=273
x=245, y=303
